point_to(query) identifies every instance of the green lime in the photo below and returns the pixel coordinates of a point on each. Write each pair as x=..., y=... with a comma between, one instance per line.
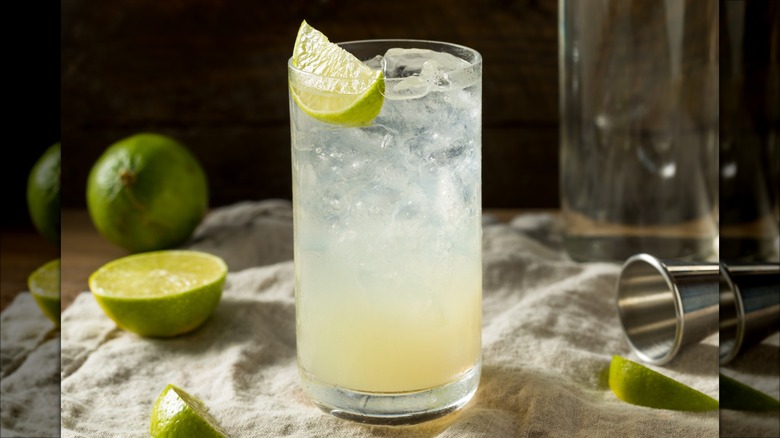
x=43, y=194
x=44, y=284
x=635, y=383
x=740, y=397
x=332, y=85
x=178, y=414
x=147, y=192
x=160, y=293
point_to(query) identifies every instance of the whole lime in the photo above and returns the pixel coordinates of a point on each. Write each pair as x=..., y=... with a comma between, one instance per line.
x=43, y=194
x=147, y=192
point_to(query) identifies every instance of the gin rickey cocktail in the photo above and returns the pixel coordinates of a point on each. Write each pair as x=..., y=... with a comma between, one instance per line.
x=386, y=157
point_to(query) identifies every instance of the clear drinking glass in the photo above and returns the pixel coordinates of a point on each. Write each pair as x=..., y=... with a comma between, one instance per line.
x=388, y=240
x=639, y=128
x=749, y=131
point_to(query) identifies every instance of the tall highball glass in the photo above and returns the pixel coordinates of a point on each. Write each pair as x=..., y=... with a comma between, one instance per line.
x=388, y=239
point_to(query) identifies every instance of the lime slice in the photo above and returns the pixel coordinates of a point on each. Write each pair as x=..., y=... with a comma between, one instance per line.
x=162, y=293
x=44, y=284
x=178, y=414
x=635, y=383
x=332, y=85
x=740, y=397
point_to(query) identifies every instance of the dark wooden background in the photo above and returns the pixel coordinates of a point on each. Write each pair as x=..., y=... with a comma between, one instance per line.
x=212, y=73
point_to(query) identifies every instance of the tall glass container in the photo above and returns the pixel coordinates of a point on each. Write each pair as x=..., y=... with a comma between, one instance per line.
x=750, y=131
x=388, y=240
x=639, y=128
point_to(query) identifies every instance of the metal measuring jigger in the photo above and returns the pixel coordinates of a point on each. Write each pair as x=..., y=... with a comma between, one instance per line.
x=749, y=307
x=666, y=304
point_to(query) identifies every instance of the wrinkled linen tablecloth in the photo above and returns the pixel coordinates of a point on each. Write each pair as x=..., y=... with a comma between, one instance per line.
x=550, y=328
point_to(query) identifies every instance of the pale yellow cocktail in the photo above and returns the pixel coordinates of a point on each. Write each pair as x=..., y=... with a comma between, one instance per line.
x=388, y=238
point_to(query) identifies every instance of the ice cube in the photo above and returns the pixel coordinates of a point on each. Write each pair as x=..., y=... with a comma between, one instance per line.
x=374, y=63
x=402, y=63
x=422, y=69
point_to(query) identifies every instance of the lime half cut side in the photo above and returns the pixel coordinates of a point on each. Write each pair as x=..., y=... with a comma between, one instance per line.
x=161, y=293
x=332, y=85
x=44, y=284
x=637, y=384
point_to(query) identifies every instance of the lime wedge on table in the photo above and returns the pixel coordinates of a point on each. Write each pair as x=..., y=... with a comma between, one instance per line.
x=178, y=414
x=44, y=284
x=162, y=293
x=333, y=86
x=635, y=383
x=740, y=397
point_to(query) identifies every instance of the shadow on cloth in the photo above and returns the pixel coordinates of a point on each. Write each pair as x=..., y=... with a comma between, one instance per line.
x=267, y=324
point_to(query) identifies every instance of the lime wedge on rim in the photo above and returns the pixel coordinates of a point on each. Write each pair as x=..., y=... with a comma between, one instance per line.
x=176, y=413
x=332, y=85
x=44, y=284
x=637, y=384
x=161, y=293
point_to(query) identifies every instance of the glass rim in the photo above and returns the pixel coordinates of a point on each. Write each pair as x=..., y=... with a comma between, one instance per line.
x=476, y=64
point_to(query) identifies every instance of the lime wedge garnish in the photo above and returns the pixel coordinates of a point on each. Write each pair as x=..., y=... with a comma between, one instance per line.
x=44, y=284
x=332, y=85
x=162, y=293
x=740, y=397
x=635, y=383
x=178, y=414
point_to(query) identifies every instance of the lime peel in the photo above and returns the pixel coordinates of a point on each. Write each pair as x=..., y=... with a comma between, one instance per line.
x=147, y=192
x=145, y=294
x=637, y=384
x=43, y=194
x=330, y=84
x=176, y=413
x=44, y=285
x=738, y=396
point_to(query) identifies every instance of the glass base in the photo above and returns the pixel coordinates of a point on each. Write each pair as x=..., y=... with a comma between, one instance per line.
x=392, y=408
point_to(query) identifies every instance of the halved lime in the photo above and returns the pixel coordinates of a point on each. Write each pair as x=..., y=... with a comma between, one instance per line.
x=44, y=284
x=178, y=414
x=332, y=85
x=635, y=383
x=162, y=293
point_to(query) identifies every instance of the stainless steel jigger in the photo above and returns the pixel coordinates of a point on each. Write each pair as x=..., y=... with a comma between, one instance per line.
x=749, y=307
x=666, y=304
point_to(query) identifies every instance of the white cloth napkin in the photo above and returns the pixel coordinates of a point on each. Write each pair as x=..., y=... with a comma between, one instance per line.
x=29, y=371
x=550, y=328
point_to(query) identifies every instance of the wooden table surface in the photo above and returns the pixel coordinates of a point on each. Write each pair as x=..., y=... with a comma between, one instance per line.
x=83, y=251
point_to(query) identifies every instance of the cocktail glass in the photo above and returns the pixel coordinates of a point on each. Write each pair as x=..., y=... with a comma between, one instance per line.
x=388, y=240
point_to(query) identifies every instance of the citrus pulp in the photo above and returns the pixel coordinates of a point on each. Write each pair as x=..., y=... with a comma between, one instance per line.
x=332, y=85
x=176, y=413
x=44, y=284
x=160, y=293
